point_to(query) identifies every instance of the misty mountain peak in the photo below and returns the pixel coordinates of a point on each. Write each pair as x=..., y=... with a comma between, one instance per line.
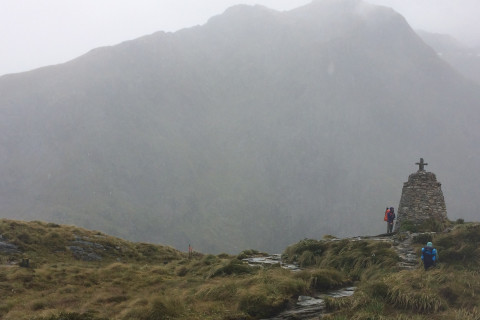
x=242, y=13
x=333, y=12
x=257, y=128
x=246, y=9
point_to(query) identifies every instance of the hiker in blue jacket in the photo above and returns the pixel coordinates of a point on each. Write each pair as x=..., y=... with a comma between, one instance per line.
x=429, y=256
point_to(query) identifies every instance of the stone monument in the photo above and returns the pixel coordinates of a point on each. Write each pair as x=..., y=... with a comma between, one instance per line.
x=422, y=200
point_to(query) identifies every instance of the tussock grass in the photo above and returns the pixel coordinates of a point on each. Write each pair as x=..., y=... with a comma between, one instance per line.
x=332, y=304
x=450, y=291
x=443, y=293
x=45, y=242
x=417, y=291
x=427, y=302
x=460, y=247
x=325, y=279
x=314, y=247
x=232, y=267
x=463, y=314
x=226, y=291
x=132, y=280
x=144, y=281
x=351, y=257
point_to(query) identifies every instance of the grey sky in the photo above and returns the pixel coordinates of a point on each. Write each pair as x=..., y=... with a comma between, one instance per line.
x=36, y=33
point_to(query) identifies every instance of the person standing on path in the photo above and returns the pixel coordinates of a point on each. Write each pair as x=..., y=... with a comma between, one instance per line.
x=390, y=218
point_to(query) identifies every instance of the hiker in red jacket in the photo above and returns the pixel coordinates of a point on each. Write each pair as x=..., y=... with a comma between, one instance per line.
x=390, y=217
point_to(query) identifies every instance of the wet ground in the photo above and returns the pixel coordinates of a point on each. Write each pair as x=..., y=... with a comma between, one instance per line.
x=312, y=308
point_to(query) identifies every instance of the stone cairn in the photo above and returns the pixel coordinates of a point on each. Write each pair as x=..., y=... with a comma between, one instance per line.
x=422, y=199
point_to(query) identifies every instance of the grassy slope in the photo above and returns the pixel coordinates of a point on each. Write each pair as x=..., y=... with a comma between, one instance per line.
x=449, y=291
x=145, y=281
x=132, y=280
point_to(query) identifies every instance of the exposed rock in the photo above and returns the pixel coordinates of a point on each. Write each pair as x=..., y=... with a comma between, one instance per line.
x=84, y=254
x=6, y=247
x=274, y=259
x=312, y=307
x=86, y=250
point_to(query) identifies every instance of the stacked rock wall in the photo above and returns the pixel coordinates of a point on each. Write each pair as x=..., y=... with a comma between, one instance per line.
x=422, y=199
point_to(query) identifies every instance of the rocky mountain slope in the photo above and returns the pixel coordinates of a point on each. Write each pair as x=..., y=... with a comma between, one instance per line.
x=52, y=272
x=463, y=58
x=256, y=129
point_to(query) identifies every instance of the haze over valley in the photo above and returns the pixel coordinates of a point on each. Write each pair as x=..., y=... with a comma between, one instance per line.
x=254, y=130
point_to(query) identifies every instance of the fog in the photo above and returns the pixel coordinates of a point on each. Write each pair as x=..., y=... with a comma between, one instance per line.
x=36, y=34
x=255, y=130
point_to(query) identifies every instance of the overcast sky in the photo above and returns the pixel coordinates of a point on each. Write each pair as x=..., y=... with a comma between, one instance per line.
x=36, y=33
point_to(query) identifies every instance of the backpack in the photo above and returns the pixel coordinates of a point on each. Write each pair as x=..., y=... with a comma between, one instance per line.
x=387, y=211
x=428, y=255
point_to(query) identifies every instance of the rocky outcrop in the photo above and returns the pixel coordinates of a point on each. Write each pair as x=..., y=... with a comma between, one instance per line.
x=86, y=250
x=6, y=247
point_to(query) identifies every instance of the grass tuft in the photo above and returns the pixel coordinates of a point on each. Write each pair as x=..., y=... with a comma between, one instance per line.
x=325, y=279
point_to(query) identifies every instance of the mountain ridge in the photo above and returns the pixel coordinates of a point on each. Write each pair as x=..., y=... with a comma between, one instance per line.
x=465, y=59
x=51, y=271
x=225, y=137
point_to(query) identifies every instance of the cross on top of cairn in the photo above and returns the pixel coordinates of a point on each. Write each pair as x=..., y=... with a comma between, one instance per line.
x=421, y=165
